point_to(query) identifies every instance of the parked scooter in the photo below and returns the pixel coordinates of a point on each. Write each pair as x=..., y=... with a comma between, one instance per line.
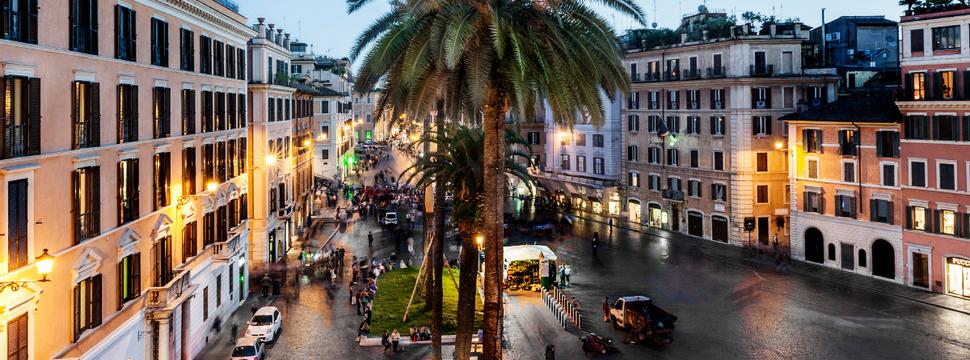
x=595, y=344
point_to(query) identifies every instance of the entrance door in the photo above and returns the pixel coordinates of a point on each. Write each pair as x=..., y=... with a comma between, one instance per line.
x=719, y=228
x=695, y=223
x=655, y=215
x=848, y=262
x=921, y=269
x=675, y=218
x=634, y=209
x=958, y=277
x=814, y=246
x=884, y=259
x=763, y=230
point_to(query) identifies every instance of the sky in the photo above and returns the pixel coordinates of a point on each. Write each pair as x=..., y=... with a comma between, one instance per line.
x=326, y=25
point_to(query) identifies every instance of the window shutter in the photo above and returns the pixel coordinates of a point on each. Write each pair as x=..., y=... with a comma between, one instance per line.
x=118, y=30
x=32, y=21
x=94, y=113
x=713, y=98
x=95, y=205
x=699, y=189
x=966, y=84
x=958, y=221
x=768, y=121
x=96, y=300
x=75, y=112
x=909, y=217
x=932, y=218
x=134, y=111
x=821, y=204
x=853, y=208
x=168, y=111
x=965, y=225
x=936, y=127
x=754, y=125
x=33, y=114
x=880, y=138
x=76, y=307
x=768, y=98
x=909, y=84
x=713, y=192
x=6, y=89
x=872, y=210
x=754, y=98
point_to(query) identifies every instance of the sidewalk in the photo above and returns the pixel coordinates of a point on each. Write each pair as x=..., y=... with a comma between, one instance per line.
x=733, y=254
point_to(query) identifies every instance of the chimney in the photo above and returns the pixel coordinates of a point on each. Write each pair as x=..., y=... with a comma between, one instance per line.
x=269, y=32
x=279, y=37
x=286, y=41
x=773, y=30
x=260, y=28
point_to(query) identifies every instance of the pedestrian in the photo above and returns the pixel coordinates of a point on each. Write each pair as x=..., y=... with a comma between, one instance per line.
x=562, y=276
x=413, y=332
x=266, y=282
x=550, y=352
x=410, y=246
x=395, y=340
x=370, y=239
x=568, y=271
x=333, y=278
x=596, y=242
x=363, y=330
x=606, y=309
x=386, y=341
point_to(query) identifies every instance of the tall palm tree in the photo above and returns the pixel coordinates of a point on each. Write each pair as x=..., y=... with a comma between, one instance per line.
x=458, y=163
x=493, y=57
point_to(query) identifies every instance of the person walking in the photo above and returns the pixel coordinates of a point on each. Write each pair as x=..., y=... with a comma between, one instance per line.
x=568, y=270
x=395, y=340
x=596, y=242
x=370, y=239
x=606, y=309
x=386, y=341
x=550, y=352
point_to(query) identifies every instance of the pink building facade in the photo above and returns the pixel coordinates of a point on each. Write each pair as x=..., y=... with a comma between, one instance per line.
x=934, y=156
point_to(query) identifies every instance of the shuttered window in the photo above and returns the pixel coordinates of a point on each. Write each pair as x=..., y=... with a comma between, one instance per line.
x=218, y=66
x=159, y=42
x=161, y=112
x=129, y=278
x=18, y=20
x=20, y=116
x=161, y=183
x=188, y=112
x=17, y=224
x=186, y=50
x=127, y=113
x=86, y=301
x=125, y=33
x=205, y=54
x=190, y=241
x=86, y=203
x=85, y=115
x=83, y=18
x=162, y=261
x=17, y=338
x=208, y=174
x=188, y=171
x=128, y=209
x=208, y=123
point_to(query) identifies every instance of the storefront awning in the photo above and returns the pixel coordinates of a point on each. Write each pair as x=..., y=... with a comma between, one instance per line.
x=528, y=252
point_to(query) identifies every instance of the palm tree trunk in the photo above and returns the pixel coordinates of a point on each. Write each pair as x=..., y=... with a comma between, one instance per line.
x=428, y=230
x=493, y=125
x=438, y=250
x=467, y=283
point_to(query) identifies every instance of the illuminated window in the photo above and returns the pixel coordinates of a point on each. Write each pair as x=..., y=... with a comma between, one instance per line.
x=919, y=86
x=919, y=218
x=947, y=222
x=947, y=83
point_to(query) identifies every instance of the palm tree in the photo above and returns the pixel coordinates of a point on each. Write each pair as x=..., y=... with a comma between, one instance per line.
x=909, y=4
x=458, y=162
x=486, y=59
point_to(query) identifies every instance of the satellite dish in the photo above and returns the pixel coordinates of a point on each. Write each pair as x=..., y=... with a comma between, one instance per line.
x=702, y=9
x=654, y=25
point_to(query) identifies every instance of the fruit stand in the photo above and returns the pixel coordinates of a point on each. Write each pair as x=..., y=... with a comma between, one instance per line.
x=529, y=267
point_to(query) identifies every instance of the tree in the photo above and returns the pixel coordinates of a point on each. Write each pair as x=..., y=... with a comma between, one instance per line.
x=485, y=59
x=458, y=163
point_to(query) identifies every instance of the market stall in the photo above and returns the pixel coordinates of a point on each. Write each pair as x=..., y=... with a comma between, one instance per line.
x=529, y=267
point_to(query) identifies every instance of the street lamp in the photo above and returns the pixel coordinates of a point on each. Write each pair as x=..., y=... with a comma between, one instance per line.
x=44, y=263
x=212, y=186
x=270, y=160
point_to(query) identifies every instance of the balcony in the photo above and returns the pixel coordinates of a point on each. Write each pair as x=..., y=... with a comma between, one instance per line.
x=692, y=74
x=716, y=72
x=652, y=76
x=226, y=250
x=635, y=77
x=163, y=297
x=675, y=195
x=765, y=70
x=672, y=75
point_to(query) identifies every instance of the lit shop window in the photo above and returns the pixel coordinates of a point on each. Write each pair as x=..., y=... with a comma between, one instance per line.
x=919, y=218
x=947, y=222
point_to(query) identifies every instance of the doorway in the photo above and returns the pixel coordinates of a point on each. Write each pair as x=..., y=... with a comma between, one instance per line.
x=719, y=228
x=695, y=223
x=763, y=230
x=675, y=218
x=814, y=246
x=921, y=270
x=884, y=259
x=848, y=263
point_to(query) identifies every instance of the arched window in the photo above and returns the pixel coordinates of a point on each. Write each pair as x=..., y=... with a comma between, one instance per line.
x=862, y=257
x=832, y=252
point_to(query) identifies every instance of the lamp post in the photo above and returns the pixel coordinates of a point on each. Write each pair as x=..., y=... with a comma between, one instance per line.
x=44, y=263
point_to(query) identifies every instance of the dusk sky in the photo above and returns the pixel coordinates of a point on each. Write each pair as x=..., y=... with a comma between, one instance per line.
x=326, y=25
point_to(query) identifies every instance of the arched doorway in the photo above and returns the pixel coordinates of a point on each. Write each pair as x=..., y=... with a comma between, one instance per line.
x=695, y=223
x=654, y=215
x=883, y=259
x=814, y=246
x=719, y=228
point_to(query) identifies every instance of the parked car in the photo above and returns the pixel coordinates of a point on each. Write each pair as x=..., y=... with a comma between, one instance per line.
x=390, y=218
x=265, y=324
x=248, y=348
x=653, y=325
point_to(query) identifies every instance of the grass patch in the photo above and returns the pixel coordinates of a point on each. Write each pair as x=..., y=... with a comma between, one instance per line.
x=394, y=289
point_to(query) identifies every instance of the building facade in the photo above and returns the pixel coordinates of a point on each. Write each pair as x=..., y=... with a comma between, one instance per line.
x=845, y=190
x=124, y=158
x=701, y=133
x=863, y=49
x=935, y=166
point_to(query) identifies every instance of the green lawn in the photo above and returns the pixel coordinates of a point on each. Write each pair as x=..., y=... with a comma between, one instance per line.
x=394, y=289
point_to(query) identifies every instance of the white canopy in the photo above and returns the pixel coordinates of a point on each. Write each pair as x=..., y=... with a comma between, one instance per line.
x=528, y=252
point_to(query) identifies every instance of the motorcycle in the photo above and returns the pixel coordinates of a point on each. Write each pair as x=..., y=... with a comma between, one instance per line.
x=595, y=344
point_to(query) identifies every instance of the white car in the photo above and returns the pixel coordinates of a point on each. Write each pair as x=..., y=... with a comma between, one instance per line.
x=248, y=348
x=390, y=218
x=265, y=324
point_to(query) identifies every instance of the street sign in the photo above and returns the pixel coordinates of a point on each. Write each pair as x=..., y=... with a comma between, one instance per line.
x=749, y=224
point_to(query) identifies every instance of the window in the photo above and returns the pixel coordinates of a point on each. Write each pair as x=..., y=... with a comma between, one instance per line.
x=85, y=114
x=848, y=142
x=209, y=229
x=917, y=217
x=693, y=125
x=86, y=305
x=186, y=50
x=717, y=99
x=816, y=95
x=717, y=125
x=162, y=180
x=20, y=115
x=230, y=61
x=845, y=206
x=761, y=98
x=946, y=128
x=127, y=113
x=19, y=20
x=673, y=184
x=718, y=160
x=693, y=99
x=220, y=162
x=190, y=241
x=812, y=140
x=205, y=303
x=948, y=221
x=580, y=139
x=813, y=202
x=917, y=173
x=125, y=33
x=831, y=252
x=762, y=194
x=632, y=123
x=632, y=153
x=788, y=97
x=86, y=205
x=947, y=174
x=162, y=263
x=218, y=64
x=673, y=69
x=17, y=214
x=848, y=171
x=208, y=109
x=220, y=111
x=888, y=174
x=887, y=144
x=580, y=163
x=127, y=191
x=159, y=42
x=719, y=192
x=694, y=188
x=916, y=40
x=654, y=103
x=673, y=124
x=633, y=180
x=533, y=137
x=18, y=338
x=598, y=166
x=945, y=83
x=694, y=157
x=881, y=211
x=218, y=290
x=673, y=157
x=161, y=112
x=946, y=38
x=917, y=85
x=762, y=165
x=672, y=98
x=564, y=161
x=129, y=278
x=762, y=125
x=812, y=168
x=917, y=127
x=653, y=155
x=84, y=26
x=760, y=63
x=188, y=112
x=654, y=182
x=205, y=55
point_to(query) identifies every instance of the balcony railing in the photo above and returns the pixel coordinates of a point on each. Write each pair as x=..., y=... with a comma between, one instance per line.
x=162, y=297
x=716, y=72
x=226, y=250
x=17, y=140
x=692, y=74
x=766, y=70
x=675, y=195
x=672, y=75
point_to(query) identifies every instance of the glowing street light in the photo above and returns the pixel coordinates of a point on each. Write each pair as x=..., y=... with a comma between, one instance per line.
x=478, y=240
x=212, y=186
x=778, y=145
x=270, y=160
x=45, y=264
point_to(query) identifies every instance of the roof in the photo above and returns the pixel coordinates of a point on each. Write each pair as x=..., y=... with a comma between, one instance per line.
x=635, y=298
x=872, y=107
x=528, y=252
x=865, y=20
x=325, y=91
x=305, y=88
x=247, y=341
x=266, y=310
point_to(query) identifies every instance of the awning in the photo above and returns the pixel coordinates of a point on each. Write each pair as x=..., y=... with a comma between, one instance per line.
x=595, y=198
x=528, y=252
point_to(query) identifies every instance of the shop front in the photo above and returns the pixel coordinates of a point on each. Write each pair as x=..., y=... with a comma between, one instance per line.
x=958, y=276
x=633, y=207
x=656, y=217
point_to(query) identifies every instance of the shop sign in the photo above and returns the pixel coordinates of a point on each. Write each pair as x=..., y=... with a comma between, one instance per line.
x=959, y=261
